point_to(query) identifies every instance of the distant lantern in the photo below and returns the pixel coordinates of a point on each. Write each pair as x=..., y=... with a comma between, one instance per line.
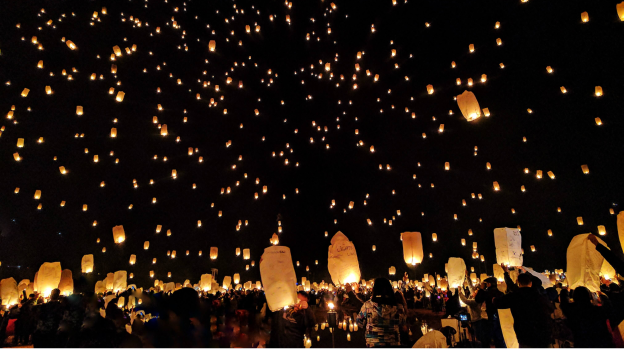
x=601, y=230
x=499, y=42
x=48, y=90
x=117, y=51
x=585, y=169
x=486, y=112
x=374, y=248
x=598, y=91
x=469, y=106
x=392, y=271
x=483, y=78
x=463, y=242
x=550, y=233
x=118, y=234
x=163, y=130
x=132, y=259
x=471, y=48
x=434, y=237
x=25, y=92
x=20, y=142
x=146, y=245
x=212, y=45
x=532, y=248
x=430, y=89
x=563, y=89
x=37, y=194
x=584, y=17
x=71, y=45
x=246, y=254
x=113, y=132
x=579, y=220
x=120, y=96
x=549, y=69
x=447, y=166
x=496, y=186
x=78, y=110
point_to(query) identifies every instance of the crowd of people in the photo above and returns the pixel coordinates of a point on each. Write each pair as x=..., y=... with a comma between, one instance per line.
x=188, y=317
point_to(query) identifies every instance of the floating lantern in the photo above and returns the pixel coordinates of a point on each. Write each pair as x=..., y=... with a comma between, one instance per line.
x=212, y=45
x=412, y=247
x=430, y=89
x=120, y=96
x=469, y=106
x=584, y=17
x=119, y=235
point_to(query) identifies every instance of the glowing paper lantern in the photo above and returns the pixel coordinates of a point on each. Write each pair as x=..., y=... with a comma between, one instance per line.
x=120, y=96
x=87, y=263
x=66, y=285
x=113, y=132
x=620, y=10
x=227, y=282
x=392, y=271
x=119, y=235
x=584, y=263
x=456, y=272
x=120, y=281
x=508, y=243
x=584, y=17
x=342, y=260
x=212, y=45
x=469, y=106
x=246, y=253
x=412, y=247
x=430, y=89
x=620, y=226
x=25, y=92
x=48, y=277
x=274, y=239
x=278, y=277
x=8, y=292
x=236, y=278
x=206, y=282
x=132, y=259
x=214, y=252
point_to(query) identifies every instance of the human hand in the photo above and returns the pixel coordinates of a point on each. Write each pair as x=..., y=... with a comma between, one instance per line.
x=505, y=268
x=593, y=239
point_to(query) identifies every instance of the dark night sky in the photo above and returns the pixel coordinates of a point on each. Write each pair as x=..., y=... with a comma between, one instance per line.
x=561, y=132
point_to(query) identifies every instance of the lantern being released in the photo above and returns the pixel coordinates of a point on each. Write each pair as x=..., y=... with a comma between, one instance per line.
x=508, y=243
x=48, y=277
x=412, y=247
x=8, y=292
x=584, y=263
x=456, y=272
x=342, y=260
x=469, y=106
x=278, y=277
x=119, y=235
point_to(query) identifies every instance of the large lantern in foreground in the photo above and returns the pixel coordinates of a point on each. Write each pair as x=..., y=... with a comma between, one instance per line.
x=278, y=277
x=412, y=247
x=584, y=263
x=48, y=277
x=342, y=260
x=508, y=243
x=456, y=272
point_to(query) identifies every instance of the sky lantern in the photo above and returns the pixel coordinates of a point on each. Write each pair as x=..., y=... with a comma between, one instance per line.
x=117, y=51
x=71, y=45
x=392, y=271
x=430, y=89
x=620, y=10
x=274, y=239
x=87, y=264
x=119, y=235
x=48, y=277
x=598, y=91
x=584, y=17
x=584, y=263
x=212, y=45
x=469, y=106
x=412, y=247
x=278, y=277
x=120, y=96
x=342, y=260
x=471, y=48
x=113, y=132
x=508, y=243
x=456, y=272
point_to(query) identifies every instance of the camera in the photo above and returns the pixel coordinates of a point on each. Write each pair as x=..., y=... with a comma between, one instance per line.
x=464, y=318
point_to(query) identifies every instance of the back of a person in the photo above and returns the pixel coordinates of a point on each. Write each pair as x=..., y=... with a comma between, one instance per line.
x=532, y=322
x=588, y=324
x=382, y=324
